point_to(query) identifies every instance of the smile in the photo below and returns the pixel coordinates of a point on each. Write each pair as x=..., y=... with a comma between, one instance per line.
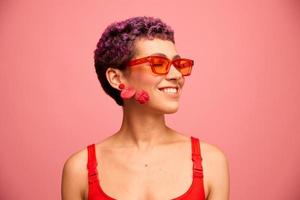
x=170, y=91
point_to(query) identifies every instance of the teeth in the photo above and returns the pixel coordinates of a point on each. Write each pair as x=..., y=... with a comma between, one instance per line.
x=170, y=90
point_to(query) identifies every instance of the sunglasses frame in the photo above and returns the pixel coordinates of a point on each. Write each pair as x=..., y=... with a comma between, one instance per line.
x=170, y=62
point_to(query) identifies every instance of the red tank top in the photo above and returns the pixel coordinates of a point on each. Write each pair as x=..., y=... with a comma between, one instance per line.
x=195, y=191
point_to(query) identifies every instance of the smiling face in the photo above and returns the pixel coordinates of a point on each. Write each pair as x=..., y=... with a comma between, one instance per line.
x=141, y=76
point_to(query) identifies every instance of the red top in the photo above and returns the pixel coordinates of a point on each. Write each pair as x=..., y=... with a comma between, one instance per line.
x=195, y=191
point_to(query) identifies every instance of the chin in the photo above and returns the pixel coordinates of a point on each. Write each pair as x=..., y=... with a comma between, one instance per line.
x=171, y=111
x=162, y=104
x=167, y=108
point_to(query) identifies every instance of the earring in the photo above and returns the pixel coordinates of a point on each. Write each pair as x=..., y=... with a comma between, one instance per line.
x=142, y=96
x=126, y=93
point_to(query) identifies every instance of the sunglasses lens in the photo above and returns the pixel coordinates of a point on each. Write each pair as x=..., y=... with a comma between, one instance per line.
x=159, y=65
x=184, y=66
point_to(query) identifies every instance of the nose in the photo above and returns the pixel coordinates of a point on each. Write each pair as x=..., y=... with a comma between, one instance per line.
x=173, y=73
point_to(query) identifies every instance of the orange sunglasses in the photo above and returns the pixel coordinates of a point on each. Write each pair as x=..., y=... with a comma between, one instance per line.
x=161, y=65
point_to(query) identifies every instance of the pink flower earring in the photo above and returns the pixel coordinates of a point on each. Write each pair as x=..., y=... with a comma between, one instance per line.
x=142, y=96
x=126, y=93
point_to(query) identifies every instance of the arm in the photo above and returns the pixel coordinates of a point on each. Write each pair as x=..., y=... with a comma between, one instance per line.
x=72, y=182
x=219, y=176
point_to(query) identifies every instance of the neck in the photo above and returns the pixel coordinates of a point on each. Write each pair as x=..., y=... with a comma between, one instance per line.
x=142, y=129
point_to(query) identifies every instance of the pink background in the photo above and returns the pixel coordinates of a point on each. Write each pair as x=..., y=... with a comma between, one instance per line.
x=243, y=95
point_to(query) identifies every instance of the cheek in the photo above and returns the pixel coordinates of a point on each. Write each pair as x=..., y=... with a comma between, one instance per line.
x=145, y=79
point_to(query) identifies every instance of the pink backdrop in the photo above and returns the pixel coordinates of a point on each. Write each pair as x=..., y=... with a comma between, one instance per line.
x=243, y=95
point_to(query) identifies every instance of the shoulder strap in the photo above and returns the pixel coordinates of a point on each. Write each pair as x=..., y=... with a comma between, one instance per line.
x=92, y=164
x=196, y=157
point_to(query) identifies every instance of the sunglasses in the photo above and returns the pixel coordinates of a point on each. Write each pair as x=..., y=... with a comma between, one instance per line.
x=161, y=65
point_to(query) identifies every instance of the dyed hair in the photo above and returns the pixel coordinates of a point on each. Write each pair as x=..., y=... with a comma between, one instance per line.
x=115, y=47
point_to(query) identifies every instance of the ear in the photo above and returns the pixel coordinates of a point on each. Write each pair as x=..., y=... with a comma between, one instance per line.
x=115, y=77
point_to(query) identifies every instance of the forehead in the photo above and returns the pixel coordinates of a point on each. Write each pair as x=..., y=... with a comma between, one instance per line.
x=145, y=47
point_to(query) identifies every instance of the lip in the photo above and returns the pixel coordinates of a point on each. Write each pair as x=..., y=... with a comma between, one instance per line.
x=175, y=86
x=176, y=95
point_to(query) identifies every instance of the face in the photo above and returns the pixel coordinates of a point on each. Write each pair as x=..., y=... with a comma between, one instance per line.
x=142, y=77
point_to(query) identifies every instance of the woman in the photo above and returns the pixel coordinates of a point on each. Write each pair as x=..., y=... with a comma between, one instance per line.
x=138, y=66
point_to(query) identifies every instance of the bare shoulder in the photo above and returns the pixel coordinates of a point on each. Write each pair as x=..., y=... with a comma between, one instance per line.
x=76, y=159
x=212, y=153
x=216, y=170
x=74, y=175
x=76, y=163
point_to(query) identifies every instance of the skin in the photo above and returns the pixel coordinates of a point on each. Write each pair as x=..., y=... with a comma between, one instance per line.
x=145, y=139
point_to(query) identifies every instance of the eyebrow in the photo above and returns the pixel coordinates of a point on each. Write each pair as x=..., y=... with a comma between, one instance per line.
x=161, y=54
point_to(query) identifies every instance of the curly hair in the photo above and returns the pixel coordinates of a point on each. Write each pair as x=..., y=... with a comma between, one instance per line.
x=115, y=47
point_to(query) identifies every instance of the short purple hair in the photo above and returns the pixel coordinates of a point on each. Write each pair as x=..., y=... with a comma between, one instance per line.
x=115, y=47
